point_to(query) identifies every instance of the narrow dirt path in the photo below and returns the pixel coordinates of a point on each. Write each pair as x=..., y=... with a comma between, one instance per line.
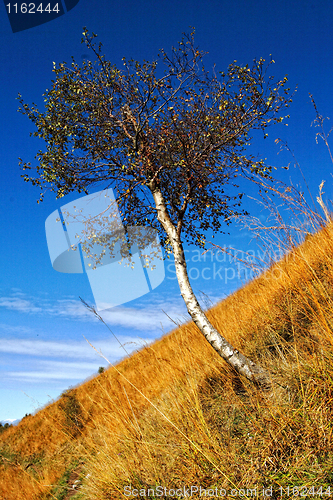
x=73, y=483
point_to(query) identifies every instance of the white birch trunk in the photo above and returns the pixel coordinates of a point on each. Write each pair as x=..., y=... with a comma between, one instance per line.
x=237, y=360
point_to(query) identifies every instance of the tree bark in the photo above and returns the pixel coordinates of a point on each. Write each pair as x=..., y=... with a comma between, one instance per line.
x=236, y=359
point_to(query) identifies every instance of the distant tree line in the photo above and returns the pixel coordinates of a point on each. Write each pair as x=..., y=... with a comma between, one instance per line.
x=4, y=427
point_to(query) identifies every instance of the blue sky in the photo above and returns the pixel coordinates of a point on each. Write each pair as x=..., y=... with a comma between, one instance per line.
x=42, y=321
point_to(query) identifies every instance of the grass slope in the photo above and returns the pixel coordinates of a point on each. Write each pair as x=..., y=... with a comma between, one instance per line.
x=174, y=415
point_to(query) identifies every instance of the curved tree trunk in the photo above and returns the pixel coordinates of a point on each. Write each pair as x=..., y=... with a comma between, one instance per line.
x=237, y=360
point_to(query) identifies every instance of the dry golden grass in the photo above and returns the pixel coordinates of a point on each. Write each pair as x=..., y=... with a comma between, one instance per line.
x=175, y=415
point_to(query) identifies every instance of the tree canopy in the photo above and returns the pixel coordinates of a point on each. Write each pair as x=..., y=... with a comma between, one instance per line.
x=168, y=124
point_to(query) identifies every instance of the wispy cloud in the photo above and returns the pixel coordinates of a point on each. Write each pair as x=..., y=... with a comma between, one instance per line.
x=55, y=370
x=19, y=330
x=76, y=350
x=69, y=308
x=146, y=316
x=19, y=304
x=84, y=360
x=76, y=361
x=155, y=315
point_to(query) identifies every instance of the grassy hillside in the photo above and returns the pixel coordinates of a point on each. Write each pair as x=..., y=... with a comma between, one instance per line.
x=175, y=416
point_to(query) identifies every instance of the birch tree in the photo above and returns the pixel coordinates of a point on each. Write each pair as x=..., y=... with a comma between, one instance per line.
x=169, y=137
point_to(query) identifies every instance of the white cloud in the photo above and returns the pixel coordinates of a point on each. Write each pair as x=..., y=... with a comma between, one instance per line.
x=16, y=329
x=46, y=370
x=35, y=376
x=19, y=304
x=17, y=291
x=76, y=350
x=69, y=308
x=55, y=370
x=146, y=316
